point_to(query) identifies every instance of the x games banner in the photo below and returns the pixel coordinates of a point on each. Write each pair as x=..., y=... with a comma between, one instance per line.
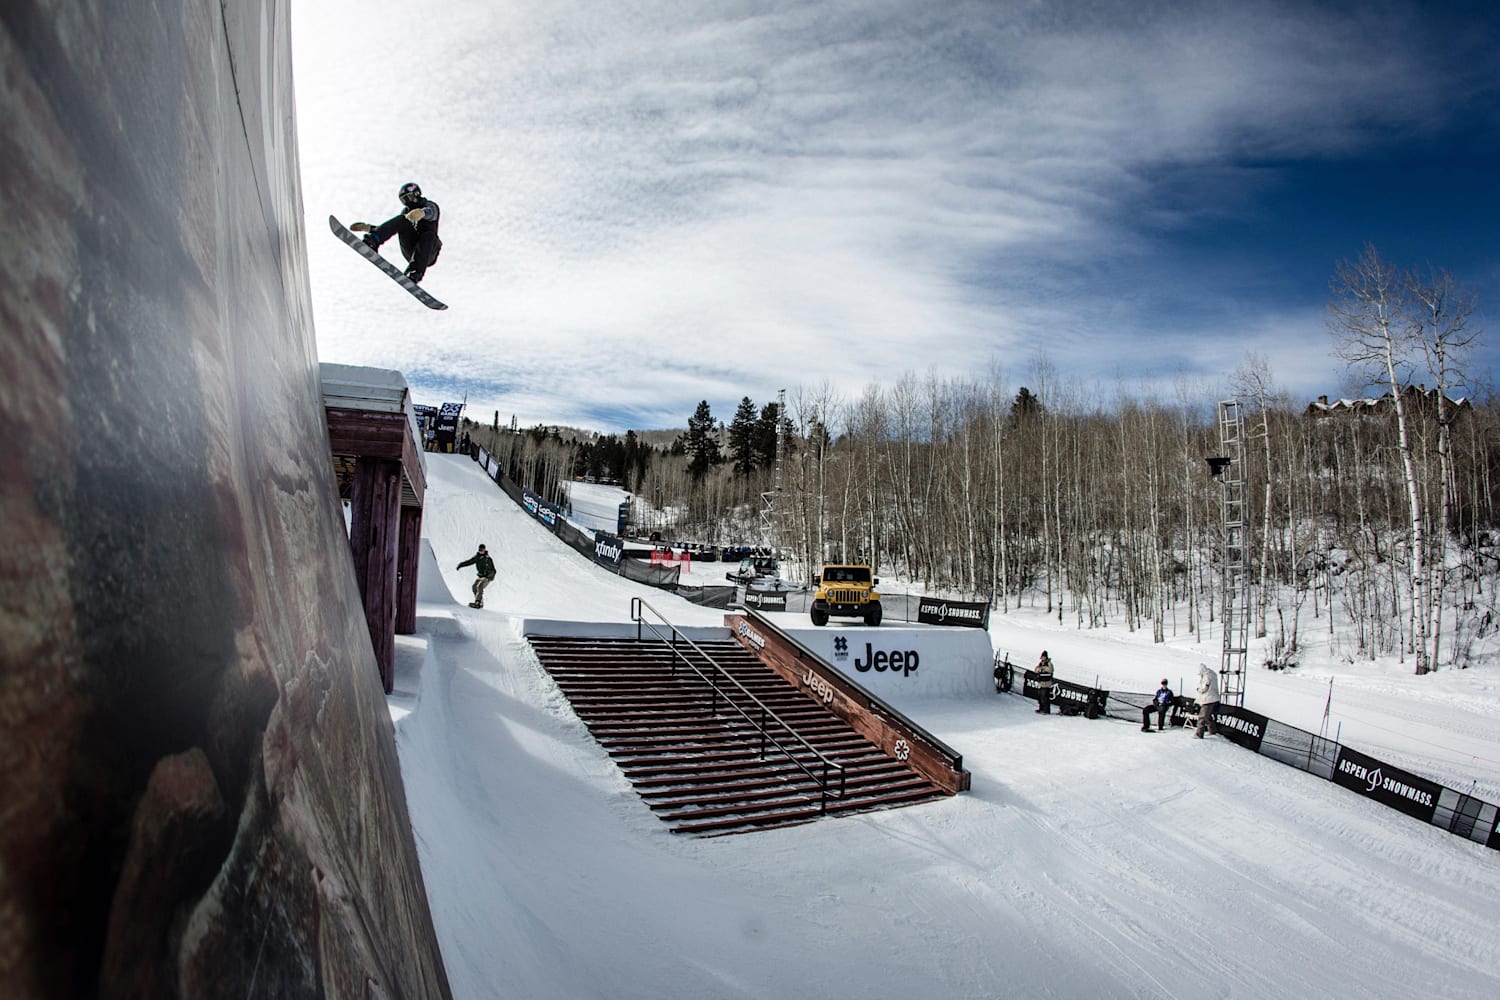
x=447, y=419
x=940, y=611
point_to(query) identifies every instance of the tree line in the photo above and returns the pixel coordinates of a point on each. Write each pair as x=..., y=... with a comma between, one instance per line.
x=1379, y=518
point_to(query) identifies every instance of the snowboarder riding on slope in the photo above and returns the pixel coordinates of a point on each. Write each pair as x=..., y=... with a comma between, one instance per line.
x=416, y=227
x=484, y=566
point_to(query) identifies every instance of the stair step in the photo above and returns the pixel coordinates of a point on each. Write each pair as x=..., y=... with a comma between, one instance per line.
x=702, y=771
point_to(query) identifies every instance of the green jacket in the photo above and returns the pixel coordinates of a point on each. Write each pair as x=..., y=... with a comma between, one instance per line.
x=482, y=563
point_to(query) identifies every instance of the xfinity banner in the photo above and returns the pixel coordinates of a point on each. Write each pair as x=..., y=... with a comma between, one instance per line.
x=941, y=611
x=608, y=550
x=1240, y=726
x=1392, y=786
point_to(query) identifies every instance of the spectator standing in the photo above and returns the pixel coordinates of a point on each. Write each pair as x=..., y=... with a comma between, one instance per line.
x=1043, y=673
x=484, y=568
x=1160, y=703
x=1208, y=700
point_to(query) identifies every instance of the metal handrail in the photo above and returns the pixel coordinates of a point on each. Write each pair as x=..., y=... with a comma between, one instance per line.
x=636, y=606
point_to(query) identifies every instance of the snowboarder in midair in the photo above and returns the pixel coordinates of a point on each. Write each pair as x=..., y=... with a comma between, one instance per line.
x=416, y=227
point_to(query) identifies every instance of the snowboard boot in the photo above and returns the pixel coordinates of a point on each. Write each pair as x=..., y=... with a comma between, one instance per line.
x=1146, y=728
x=416, y=272
x=476, y=604
x=371, y=241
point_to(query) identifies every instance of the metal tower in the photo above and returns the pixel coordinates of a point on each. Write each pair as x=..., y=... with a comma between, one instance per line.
x=1236, y=579
x=768, y=511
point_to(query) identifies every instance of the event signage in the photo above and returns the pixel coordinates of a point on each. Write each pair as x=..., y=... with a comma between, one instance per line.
x=447, y=418
x=940, y=611
x=765, y=600
x=1494, y=843
x=1069, y=698
x=904, y=662
x=1413, y=795
x=608, y=550
x=540, y=509
x=1240, y=726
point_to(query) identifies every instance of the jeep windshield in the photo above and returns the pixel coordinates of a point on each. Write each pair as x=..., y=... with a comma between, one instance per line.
x=846, y=574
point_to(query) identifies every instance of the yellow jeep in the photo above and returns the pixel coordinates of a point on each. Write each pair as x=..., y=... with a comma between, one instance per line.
x=846, y=592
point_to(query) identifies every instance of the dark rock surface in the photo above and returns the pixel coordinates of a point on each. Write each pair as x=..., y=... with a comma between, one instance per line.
x=199, y=790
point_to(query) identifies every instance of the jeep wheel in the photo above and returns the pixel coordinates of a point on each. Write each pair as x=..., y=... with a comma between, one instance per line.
x=872, y=617
x=819, y=618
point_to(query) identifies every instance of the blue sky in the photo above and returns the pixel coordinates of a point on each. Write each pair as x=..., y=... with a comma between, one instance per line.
x=650, y=204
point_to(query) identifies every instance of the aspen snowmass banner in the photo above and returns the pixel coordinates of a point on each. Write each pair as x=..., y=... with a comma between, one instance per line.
x=940, y=611
x=1411, y=794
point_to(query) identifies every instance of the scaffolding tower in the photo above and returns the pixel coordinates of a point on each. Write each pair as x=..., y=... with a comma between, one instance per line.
x=769, y=512
x=1235, y=579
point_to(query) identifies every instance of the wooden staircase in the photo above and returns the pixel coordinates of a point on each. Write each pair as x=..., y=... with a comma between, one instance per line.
x=708, y=772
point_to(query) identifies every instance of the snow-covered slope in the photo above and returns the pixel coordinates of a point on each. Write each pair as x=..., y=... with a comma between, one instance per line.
x=1089, y=860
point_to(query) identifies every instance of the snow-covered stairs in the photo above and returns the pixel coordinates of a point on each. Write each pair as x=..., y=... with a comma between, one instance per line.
x=703, y=772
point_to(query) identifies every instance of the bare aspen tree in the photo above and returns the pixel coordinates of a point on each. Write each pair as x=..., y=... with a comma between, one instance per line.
x=1441, y=326
x=1371, y=322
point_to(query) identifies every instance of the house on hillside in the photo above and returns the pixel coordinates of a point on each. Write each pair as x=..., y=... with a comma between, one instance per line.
x=1418, y=399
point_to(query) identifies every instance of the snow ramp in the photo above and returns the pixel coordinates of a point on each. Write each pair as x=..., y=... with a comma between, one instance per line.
x=200, y=788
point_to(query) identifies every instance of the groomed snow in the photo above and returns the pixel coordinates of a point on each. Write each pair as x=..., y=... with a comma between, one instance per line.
x=1089, y=860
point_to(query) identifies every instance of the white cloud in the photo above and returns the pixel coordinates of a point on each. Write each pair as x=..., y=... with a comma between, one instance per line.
x=793, y=193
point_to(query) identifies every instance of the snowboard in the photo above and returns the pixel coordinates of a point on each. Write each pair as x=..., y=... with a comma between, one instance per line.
x=373, y=256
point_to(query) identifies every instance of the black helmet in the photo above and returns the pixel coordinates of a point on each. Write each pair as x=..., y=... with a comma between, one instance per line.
x=410, y=193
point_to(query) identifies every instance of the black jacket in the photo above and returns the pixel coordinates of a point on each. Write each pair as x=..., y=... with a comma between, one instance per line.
x=482, y=563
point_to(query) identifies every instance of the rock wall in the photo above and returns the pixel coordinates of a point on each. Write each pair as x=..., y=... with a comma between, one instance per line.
x=199, y=790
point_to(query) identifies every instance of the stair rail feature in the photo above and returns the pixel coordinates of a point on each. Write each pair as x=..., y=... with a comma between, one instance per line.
x=759, y=717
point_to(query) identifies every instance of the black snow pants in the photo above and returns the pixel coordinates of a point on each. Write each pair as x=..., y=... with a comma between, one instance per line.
x=419, y=243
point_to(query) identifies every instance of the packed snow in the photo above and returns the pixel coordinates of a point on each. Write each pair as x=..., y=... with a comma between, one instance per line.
x=1088, y=860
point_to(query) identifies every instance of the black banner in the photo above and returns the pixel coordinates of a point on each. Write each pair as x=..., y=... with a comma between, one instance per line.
x=765, y=600
x=941, y=611
x=608, y=550
x=1239, y=725
x=1069, y=698
x=548, y=513
x=1494, y=842
x=447, y=419
x=1386, y=784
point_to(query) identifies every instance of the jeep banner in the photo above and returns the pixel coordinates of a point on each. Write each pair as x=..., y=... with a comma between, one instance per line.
x=1240, y=726
x=765, y=600
x=1417, y=797
x=941, y=611
x=1067, y=697
x=608, y=550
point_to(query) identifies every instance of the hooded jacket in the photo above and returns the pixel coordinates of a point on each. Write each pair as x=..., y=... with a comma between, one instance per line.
x=1208, y=687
